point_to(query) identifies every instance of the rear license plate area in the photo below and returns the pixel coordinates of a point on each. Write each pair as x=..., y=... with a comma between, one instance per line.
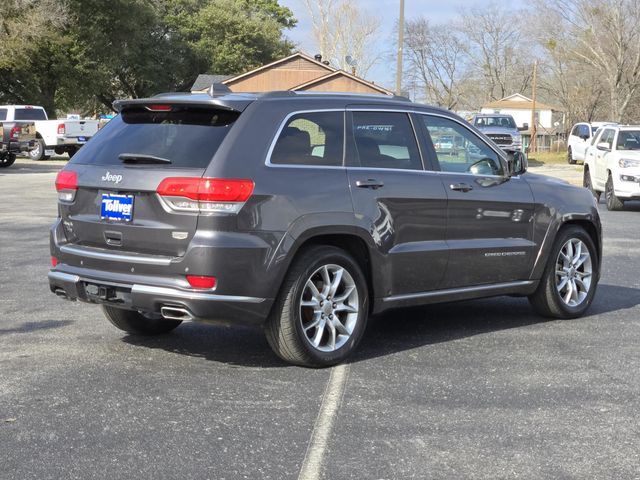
x=116, y=207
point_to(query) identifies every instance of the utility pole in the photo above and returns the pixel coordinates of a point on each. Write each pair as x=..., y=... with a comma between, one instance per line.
x=534, y=126
x=400, y=49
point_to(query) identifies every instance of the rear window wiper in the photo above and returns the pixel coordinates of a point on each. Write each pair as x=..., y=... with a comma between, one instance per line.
x=142, y=158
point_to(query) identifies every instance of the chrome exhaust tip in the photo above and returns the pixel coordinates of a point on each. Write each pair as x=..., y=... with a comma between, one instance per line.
x=176, y=313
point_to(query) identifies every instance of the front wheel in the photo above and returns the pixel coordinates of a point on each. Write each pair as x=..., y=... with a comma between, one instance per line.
x=322, y=309
x=570, y=159
x=138, y=323
x=570, y=278
x=37, y=153
x=613, y=202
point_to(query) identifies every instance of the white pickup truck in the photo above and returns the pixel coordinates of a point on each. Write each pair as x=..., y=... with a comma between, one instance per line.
x=57, y=136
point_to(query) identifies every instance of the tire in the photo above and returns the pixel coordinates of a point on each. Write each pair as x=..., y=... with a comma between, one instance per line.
x=71, y=152
x=570, y=159
x=7, y=161
x=550, y=298
x=38, y=152
x=137, y=323
x=285, y=329
x=613, y=202
x=586, y=183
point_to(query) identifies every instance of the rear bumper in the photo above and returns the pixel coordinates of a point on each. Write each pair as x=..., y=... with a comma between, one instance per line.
x=17, y=147
x=135, y=293
x=72, y=141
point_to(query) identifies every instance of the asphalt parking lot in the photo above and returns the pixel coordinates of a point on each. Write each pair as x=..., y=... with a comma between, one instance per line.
x=482, y=389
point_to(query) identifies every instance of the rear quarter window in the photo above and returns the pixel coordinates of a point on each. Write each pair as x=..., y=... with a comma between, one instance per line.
x=187, y=136
x=311, y=138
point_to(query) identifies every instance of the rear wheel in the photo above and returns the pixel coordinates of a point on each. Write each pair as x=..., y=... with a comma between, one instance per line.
x=7, y=160
x=38, y=151
x=72, y=151
x=137, y=323
x=569, y=281
x=586, y=183
x=613, y=202
x=321, y=312
x=570, y=158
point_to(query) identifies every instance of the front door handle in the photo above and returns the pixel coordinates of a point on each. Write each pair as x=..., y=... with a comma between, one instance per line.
x=461, y=187
x=370, y=183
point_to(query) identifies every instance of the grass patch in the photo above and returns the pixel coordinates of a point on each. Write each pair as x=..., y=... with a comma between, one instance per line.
x=547, y=158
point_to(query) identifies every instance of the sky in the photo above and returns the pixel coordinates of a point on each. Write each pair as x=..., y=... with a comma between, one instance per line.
x=437, y=11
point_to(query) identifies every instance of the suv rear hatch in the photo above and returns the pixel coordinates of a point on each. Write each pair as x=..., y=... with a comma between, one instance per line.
x=114, y=204
x=81, y=129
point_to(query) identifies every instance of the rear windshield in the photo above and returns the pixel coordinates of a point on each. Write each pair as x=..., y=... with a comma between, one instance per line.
x=189, y=137
x=30, y=114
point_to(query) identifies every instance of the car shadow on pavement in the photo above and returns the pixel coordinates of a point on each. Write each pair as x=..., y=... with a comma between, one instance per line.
x=388, y=333
x=235, y=346
x=28, y=327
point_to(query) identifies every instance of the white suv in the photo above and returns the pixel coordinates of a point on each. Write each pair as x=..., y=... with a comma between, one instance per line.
x=580, y=138
x=612, y=165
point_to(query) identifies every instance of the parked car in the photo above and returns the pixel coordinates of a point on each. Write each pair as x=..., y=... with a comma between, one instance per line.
x=502, y=129
x=170, y=214
x=612, y=165
x=57, y=136
x=580, y=138
x=15, y=138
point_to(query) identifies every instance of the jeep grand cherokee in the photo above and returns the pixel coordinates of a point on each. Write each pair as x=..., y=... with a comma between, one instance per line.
x=307, y=213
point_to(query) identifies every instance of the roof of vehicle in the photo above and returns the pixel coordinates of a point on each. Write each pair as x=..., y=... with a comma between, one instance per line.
x=492, y=115
x=22, y=106
x=240, y=101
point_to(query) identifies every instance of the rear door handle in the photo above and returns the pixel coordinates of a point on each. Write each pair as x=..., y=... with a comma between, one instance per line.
x=370, y=183
x=461, y=187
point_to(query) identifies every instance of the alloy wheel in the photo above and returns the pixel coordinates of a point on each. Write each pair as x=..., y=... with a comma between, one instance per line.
x=574, y=272
x=329, y=307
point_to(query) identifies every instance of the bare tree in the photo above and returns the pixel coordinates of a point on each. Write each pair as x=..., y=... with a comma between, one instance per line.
x=606, y=37
x=494, y=39
x=341, y=28
x=436, y=61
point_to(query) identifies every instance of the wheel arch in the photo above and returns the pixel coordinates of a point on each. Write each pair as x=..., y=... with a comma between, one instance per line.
x=347, y=238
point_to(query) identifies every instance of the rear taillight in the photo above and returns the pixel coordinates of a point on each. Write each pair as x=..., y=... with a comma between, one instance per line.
x=205, y=195
x=61, y=129
x=54, y=262
x=67, y=185
x=15, y=132
x=201, y=281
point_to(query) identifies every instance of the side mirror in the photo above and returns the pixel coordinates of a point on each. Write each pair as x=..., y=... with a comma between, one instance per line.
x=525, y=126
x=518, y=163
x=604, y=146
x=584, y=137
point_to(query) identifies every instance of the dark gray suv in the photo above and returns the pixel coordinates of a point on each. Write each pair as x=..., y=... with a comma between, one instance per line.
x=307, y=213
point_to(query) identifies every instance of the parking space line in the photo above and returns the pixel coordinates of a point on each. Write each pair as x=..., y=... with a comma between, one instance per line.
x=311, y=468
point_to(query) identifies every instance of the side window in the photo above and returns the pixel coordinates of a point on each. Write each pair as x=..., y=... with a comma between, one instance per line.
x=315, y=138
x=3, y=114
x=574, y=132
x=385, y=140
x=607, y=137
x=460, y=150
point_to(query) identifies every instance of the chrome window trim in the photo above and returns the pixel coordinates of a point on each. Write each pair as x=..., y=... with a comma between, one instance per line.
x=284, y=122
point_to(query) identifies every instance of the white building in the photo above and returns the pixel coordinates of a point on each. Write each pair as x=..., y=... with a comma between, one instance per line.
x=519, y=107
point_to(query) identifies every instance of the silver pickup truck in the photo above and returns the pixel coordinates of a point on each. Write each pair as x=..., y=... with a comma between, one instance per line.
x=15, y=138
